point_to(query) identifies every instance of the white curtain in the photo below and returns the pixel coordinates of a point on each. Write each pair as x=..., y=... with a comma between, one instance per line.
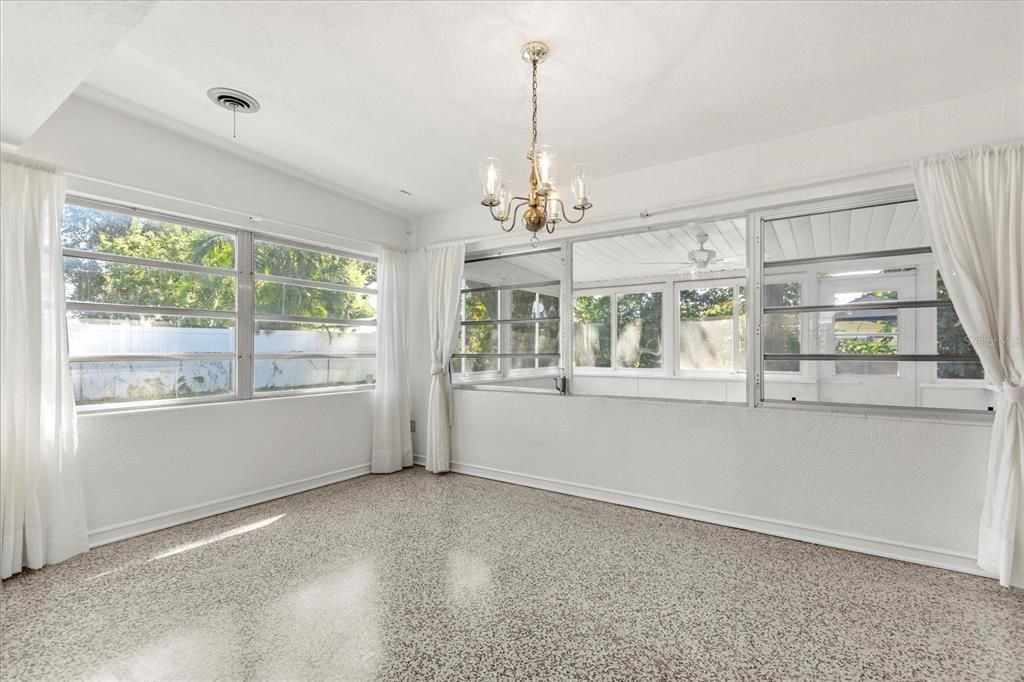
x=973, y=203
x=444, y=281
x=392, y=438
x=42, y=511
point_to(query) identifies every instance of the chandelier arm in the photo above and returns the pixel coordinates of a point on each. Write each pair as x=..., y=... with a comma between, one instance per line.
x=515, y=215
x=514, y=212
x=565, y=216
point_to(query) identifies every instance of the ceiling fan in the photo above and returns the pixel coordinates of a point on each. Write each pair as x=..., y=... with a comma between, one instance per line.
x=700, y=258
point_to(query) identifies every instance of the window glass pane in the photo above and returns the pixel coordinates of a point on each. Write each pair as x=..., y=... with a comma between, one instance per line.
x=288, y=299
x=534, y=337
x=131, y=381
x=525, y=268
x=953, y=340
x=527, y=304
x=781, y=330
x=866, y=332
x=638, y=343
x=479, y=339
x=859, y=230
x=95, y=333
x=592, y=331
x=691, y=252
x=706, y=328
x=299, y=337
x=481, y=305
x=93, y=229
x=309, y=264
x=298, y=372
x=92, y=281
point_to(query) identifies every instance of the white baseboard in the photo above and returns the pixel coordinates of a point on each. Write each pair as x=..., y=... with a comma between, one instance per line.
x=148, y=524
x=928, y=556
x=419, y=460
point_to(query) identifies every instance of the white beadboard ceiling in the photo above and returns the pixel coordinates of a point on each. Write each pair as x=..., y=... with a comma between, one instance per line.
x=374, y=97
x=631, y=257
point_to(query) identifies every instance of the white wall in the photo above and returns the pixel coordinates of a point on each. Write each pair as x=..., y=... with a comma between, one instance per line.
x=151, y=468
x=897, y=487
x=793, y=168
x=888, y=485
x=155, y=167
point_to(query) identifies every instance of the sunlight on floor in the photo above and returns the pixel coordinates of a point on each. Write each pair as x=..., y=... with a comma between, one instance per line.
x=218, y=537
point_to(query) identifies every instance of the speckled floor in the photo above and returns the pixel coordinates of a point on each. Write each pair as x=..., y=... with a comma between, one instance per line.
x=415, y=576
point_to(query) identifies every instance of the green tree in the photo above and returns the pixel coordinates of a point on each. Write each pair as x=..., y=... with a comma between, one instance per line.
x=592, y=331
x=953, y=340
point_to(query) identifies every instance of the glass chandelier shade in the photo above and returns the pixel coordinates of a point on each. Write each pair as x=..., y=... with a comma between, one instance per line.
x=490, y=180
x=581, y=186
x=547, y=167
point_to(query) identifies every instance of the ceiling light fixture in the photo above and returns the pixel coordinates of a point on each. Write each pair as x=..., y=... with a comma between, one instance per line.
x=544, y=208
x=235, y=101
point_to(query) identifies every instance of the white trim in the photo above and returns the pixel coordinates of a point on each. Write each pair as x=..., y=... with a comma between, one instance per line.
x=927, y=556
x=148, y=524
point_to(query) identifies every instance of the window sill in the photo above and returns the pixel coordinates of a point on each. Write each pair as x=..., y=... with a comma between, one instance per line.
x=503, y=388
x=117, y=408
x=936, y=415
x=624, y=373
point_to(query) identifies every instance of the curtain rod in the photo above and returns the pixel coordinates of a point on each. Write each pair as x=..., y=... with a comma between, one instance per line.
x=28, y=163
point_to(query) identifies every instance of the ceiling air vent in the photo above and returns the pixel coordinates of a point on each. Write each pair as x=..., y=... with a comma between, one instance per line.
x=233, y=100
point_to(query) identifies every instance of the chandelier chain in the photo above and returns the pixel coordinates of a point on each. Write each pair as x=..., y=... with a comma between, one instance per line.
x=534, y=149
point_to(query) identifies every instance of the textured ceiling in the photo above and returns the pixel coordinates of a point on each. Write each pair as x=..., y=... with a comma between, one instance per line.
x=377, y=97
x=47, y=48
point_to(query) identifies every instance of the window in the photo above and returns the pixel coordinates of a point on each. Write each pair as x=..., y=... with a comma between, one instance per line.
x=631, y=339
x=853, y=312
x=150, y=308
x=510, y=332
x=711, y=327
x=315, y=319
x=661, y=313
x=592, y=331
x=153, y=311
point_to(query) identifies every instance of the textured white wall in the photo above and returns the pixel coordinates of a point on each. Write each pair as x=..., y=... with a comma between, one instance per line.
x=901, y=487
x=178, y=463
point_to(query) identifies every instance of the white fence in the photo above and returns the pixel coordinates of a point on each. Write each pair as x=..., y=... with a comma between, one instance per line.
x=148, y=379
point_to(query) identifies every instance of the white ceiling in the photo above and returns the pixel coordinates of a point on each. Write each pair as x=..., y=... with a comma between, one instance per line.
x=376, y=97
x=47, y=49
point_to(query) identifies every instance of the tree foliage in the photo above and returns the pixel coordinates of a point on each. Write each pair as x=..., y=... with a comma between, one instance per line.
x=110, y=282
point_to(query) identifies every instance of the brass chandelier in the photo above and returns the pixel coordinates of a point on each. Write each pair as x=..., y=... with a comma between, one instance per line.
x=544, y=208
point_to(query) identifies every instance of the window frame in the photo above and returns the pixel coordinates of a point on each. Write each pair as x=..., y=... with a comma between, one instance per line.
x=244, y=314
x=613, y=292
x=503, y=323
x=738, y=369
x=757, y=275
x=255, y=317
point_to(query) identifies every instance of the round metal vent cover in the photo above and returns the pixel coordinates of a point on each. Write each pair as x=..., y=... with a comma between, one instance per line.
x=233, y=100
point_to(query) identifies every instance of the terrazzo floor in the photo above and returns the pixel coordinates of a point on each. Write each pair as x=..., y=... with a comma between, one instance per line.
x=416, y=576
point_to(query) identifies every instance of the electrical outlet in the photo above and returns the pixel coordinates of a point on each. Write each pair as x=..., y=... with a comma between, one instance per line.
x=412, y=426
